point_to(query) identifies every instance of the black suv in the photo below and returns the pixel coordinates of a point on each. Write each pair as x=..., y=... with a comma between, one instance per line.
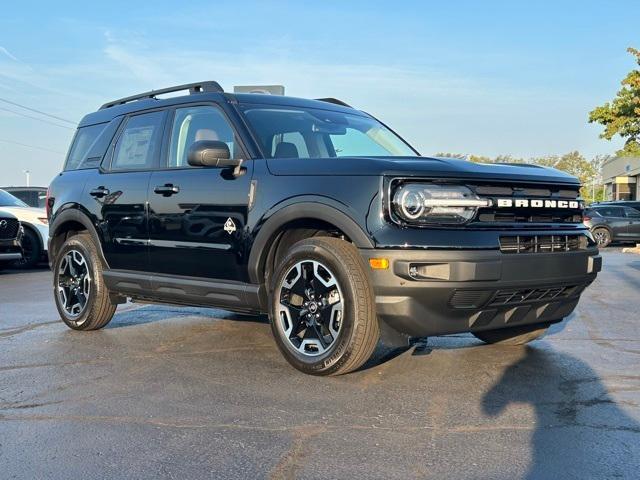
x=315, y=213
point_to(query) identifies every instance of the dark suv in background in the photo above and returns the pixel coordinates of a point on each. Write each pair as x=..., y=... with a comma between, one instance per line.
x=613, y=222
x=315, y=213
x=618, y=203
x=33, y=196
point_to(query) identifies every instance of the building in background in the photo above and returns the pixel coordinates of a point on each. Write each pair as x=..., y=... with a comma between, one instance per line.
x=621, y=178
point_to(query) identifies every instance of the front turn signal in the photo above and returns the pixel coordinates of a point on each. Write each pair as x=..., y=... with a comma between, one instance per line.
x=379, y=263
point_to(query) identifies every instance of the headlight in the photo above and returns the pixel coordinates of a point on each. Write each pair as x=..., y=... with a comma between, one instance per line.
x=429, y=204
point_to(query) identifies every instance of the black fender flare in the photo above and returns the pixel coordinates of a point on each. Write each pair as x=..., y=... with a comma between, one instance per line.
x=314, y=210
x=75, y=215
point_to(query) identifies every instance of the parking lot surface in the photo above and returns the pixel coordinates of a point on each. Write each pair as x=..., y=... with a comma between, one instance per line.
x=171, y=392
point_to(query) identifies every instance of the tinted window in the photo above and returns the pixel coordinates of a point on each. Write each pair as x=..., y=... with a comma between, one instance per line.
x=199, y=123
x=631, y=212
x=611, y=211
x=8, y=200
x=82, y=142
x=318, y=133
x=33, y=198
x=138, y=145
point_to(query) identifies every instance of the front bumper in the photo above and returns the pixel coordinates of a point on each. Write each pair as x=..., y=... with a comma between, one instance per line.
x=426, y=292
x=10, y=250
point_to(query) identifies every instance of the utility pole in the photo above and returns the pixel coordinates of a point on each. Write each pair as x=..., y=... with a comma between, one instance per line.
x=28, y=174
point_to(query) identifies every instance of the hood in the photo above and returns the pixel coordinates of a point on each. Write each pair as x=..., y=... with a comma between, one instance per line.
x=418, y=167
x=6, y=213
x=26, y=214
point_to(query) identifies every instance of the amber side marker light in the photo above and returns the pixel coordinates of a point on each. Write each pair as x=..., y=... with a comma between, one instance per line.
x=379, y=263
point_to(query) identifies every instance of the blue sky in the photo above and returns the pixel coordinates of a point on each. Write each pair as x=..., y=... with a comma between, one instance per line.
x=487, y=78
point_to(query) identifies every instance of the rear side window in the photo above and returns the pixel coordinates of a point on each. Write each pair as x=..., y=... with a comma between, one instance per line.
x=631, y=212
x=85, y=137
x=139, y=143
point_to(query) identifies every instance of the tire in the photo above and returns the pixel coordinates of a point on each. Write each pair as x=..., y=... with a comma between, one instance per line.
x=330, y=276
x=77, y=255
x=513, y=335
x=32, y=250
x=602, y=237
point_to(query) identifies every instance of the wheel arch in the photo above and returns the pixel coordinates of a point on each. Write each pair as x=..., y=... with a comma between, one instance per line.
x=307, y=214
x=72, y=220
x=29, y=226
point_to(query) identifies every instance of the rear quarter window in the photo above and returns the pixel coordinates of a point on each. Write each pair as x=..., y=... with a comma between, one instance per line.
x=83, y=140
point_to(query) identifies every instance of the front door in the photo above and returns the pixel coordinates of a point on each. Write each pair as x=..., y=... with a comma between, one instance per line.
x=197, y=215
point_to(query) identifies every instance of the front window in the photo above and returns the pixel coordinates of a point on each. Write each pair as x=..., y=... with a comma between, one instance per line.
x=288, y=132
x=8, y=200
x=192, y=124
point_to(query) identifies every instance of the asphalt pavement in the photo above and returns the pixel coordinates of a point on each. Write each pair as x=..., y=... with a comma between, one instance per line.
x=186, y=393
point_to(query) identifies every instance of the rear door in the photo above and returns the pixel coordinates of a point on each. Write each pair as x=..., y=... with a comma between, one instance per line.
x=120, y=190
x=633, y=226
x=197, y=215
x=616, y=220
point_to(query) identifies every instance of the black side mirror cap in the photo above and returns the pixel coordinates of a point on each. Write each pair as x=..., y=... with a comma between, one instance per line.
x=211, y=153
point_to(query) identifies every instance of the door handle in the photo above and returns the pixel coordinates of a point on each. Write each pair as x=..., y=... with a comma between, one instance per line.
x=166, y=190
x=99, y=192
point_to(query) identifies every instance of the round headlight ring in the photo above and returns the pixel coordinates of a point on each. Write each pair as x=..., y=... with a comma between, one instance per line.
x=411, y=203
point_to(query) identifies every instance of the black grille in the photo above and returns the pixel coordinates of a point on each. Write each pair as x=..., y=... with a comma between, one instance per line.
x=542, y=243
x=536, y=215
x=469, y=298
x=512, y=297
x=8, y=228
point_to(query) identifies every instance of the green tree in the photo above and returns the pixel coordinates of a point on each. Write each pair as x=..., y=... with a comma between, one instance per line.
x=574, y=164
x=621, y=116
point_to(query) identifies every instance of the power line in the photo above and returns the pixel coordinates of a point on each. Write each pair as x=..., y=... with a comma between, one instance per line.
x=37, y=111
x=32, y=146
x=34, y=118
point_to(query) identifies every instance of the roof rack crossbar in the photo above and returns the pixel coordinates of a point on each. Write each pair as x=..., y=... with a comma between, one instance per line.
x=199, y=87
x=335, y=101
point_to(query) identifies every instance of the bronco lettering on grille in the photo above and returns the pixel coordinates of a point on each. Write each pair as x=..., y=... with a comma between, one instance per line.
x=537, y=203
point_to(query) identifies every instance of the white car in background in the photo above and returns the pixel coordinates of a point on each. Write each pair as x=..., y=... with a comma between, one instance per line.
x=35, y=225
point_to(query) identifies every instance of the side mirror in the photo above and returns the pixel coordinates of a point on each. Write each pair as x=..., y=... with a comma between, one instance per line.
x=211, y=153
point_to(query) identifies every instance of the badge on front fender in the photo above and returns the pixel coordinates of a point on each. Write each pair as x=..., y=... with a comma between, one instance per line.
x=229, y=226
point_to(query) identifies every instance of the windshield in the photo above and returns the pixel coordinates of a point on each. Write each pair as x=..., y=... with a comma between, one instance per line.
x=8, y=200
x=288, y=132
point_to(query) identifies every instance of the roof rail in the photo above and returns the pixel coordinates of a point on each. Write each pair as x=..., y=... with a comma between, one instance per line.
x=335, y=101
x=200, y=87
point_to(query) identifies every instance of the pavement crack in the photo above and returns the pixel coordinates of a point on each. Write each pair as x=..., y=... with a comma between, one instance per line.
x=9, y=332
x=292, y=461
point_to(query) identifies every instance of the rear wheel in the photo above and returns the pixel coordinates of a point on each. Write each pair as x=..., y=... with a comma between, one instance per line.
x=513, y=335
x=322, y=307
x=81, y=296
x=602, y=237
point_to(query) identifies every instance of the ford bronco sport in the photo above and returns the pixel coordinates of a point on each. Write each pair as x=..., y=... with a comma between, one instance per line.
x=315, y=213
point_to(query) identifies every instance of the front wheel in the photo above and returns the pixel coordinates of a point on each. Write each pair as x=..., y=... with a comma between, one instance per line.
x=31, y=250
x=513, y=335
x=81, y=296
x=322, y=307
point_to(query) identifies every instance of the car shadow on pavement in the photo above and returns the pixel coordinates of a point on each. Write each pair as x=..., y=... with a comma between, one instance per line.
x=580, y=431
